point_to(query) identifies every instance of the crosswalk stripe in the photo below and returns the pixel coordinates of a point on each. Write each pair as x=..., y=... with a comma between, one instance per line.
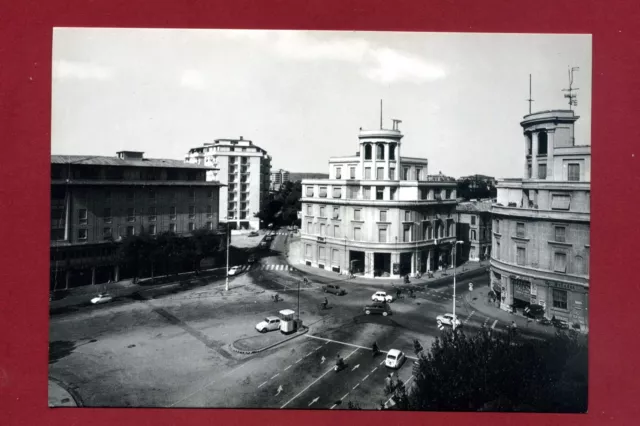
x=494, y=324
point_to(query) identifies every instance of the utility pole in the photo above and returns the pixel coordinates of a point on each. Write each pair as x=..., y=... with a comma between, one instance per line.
x=226, y=285
x=573, y=101
x=380, y=114
x=529, y=100
x=455, y=247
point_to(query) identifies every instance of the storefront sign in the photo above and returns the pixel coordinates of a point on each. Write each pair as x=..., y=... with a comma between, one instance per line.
x=564, y=286
x=321, y=239
x=521, y=289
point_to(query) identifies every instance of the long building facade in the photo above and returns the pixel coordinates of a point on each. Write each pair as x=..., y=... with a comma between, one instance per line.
x=96, y=201
x=244, y=170
x=379, y=214
x=279, y=178
x=541, y=223
x=474, y=229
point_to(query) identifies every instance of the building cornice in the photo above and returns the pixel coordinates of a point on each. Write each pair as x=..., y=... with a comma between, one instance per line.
x=378, y=203
x=369, y=245
x=92, y=182
x=535, y=214
x=540, y=274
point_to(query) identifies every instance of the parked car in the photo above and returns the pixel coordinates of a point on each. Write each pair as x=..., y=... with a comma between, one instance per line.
x=253, y=234
x=263, y=244
x=381, y=296
x=102, y=298
x=378, y=308
x=544, y=321
x=252, y=259
x=268, y=238
x=560, y=323
x=234, y=270
x=448, y=319
x=395, y=358
x=269, y=324
x=534, y=311
x=334, y=289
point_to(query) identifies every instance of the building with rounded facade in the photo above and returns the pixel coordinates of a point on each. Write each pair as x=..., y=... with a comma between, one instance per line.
x=541, y=223
x=379, y=214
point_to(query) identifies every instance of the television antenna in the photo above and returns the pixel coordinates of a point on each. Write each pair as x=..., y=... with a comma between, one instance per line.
x=529, y=100
x=573, y=101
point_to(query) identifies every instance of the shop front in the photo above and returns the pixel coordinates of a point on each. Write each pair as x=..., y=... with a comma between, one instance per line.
x=567, y=301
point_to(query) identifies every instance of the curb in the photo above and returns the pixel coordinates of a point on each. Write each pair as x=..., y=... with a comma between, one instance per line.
x=255, y=351
x=74, y=395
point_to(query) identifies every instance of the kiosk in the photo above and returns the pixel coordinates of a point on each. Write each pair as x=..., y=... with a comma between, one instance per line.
x=287, y=321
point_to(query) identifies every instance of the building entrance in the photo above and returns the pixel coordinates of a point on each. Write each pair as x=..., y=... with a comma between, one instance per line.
x=382, y=264
x=356, y=261
x=405, y=264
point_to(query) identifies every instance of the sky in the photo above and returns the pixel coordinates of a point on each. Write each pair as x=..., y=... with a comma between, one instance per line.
x=304, y=95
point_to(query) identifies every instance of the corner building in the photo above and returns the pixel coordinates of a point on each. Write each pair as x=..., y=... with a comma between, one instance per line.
x=379, y=214
x=541, y=223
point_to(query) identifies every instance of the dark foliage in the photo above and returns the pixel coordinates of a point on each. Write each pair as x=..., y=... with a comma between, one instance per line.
x=476, y=189
x=283, y=206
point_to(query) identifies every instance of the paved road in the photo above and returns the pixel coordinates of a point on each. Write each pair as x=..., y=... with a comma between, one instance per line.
x=174, y=349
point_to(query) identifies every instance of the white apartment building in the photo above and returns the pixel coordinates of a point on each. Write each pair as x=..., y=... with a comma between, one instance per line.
x=379, y=214
x=278, y=178
x=245, y=170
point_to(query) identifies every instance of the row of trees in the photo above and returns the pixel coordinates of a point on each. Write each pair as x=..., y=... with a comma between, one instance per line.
x=147, y=255
x=283, y=206
x=498, y=372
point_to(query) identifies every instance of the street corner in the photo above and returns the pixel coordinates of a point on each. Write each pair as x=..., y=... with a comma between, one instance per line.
x=262, y=342
x=60, y=396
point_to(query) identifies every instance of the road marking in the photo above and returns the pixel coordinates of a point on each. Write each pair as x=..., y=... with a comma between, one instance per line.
x=277, y=374
x=262, y=384
x=315, y=381
x=354, y=368
x=205, y=386
x=298, y=360
x=348, y=344
x=494, y=324
x=357, y=384
x=382, y=362
x=469, y=317
x=374, y=369
x=287, y=368
x=279, y=390
x=344, y=396
x=308, y=354
x=332, y=407
x=365, y=378
x=313, y=401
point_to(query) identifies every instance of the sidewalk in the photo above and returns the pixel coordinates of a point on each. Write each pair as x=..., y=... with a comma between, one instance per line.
x=466, y=270
x=61, y=397
x=262, y=342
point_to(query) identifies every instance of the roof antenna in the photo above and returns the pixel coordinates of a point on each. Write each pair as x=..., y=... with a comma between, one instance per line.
x=529, y=100
x=380, y=114
x=570, y=95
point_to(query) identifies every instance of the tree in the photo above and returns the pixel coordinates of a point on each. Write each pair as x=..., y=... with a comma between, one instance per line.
x=505, y=372
x=283, y=206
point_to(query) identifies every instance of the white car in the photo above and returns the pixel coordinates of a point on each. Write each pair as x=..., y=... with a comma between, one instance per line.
x=395, y=359
x=234, y=270
x=448, y=319
x=381, y=296
x=101, y=298
x=269, y=324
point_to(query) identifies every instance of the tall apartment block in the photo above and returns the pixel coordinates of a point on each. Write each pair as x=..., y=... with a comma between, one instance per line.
x=278, y=178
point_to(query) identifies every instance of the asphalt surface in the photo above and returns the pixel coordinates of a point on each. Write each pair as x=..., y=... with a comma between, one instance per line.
x=174, y=349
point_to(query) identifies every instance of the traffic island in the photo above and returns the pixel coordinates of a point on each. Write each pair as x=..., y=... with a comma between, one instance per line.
x=262, y=342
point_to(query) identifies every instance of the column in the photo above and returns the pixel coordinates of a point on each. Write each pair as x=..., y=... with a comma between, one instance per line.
x=550, y=142
x=93, y=275
x=116, y=273
x=67, y=214
x=67, y=273
x=385, y=173
x=429, y=251
x=368, y=264
x=534, y=155
x=414, y=264
x=526, y=152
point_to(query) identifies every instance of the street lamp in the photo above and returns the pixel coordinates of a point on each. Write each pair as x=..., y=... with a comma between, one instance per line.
x=226, y=285
x=455, y=247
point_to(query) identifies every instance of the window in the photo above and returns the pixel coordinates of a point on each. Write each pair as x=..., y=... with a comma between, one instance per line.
x=152, y=195
x=310, y=227
x=337, y=192
x=473, y=235
x=336, y=231
x=209, y=226
x=309, y=209
x=447, y=194
x=559, y=299
x=191, y=227
x=131, y=231
x=542, y=171
x=321, y=253
x=380, y=173
x=172, y=227
x=573, y=171
x=521, y=256
x=335, y=256
x=131, y=214
x=192, y=212
x=82, y=216
x=497, y=256
x=560, y=202
x=497, y=226
x=418, y=173
x=82, y=234
x=366, y=192
x=560, y=234
x=352, y=172
x=367, y=173
x=209, y=212
x=352, y=192
x=405, y=173
x=380, y=193
x=323, y=192
x=560, y=262
x=579, y=265
x=152, y=229
x=309, y=191
x=392, y=173
x=392, y=151
x=152, y=214
x=429, y=231
x=382, y=235
x=338, y=172
x=393, y=193
x=406, y=235
x=336, y=213
x=357, y=234
x=322, y=229
x=380, y=152
x=307, y=250
x=542, y=143
x=172, y=213
x=356, y=214
x=322, y=211
x=520, y=230
x=106, y=233
x=107, y=215
x=210, y=194
x=407, y=216
x=473, y=220
x=383, y=216
x=367, y=152
x=529, y=171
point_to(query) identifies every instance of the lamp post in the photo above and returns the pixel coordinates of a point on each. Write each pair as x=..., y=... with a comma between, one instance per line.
x=226, y=285
x=455, y=246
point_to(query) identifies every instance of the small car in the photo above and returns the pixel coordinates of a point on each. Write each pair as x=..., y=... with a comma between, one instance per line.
x=448, y=319
x=334, y=289
x=544, y=321
x=102, y=298
x=234, y=270
x=381, y=296
x=395, y=359
x=253, y=234
x=263, y=244
x=269, y=324
x=534, y=311
x=252, y=259
x=378, y=308
x=560, y=323
x=268, y=238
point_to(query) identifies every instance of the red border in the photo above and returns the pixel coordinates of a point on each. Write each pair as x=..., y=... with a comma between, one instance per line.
x=25, y=79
